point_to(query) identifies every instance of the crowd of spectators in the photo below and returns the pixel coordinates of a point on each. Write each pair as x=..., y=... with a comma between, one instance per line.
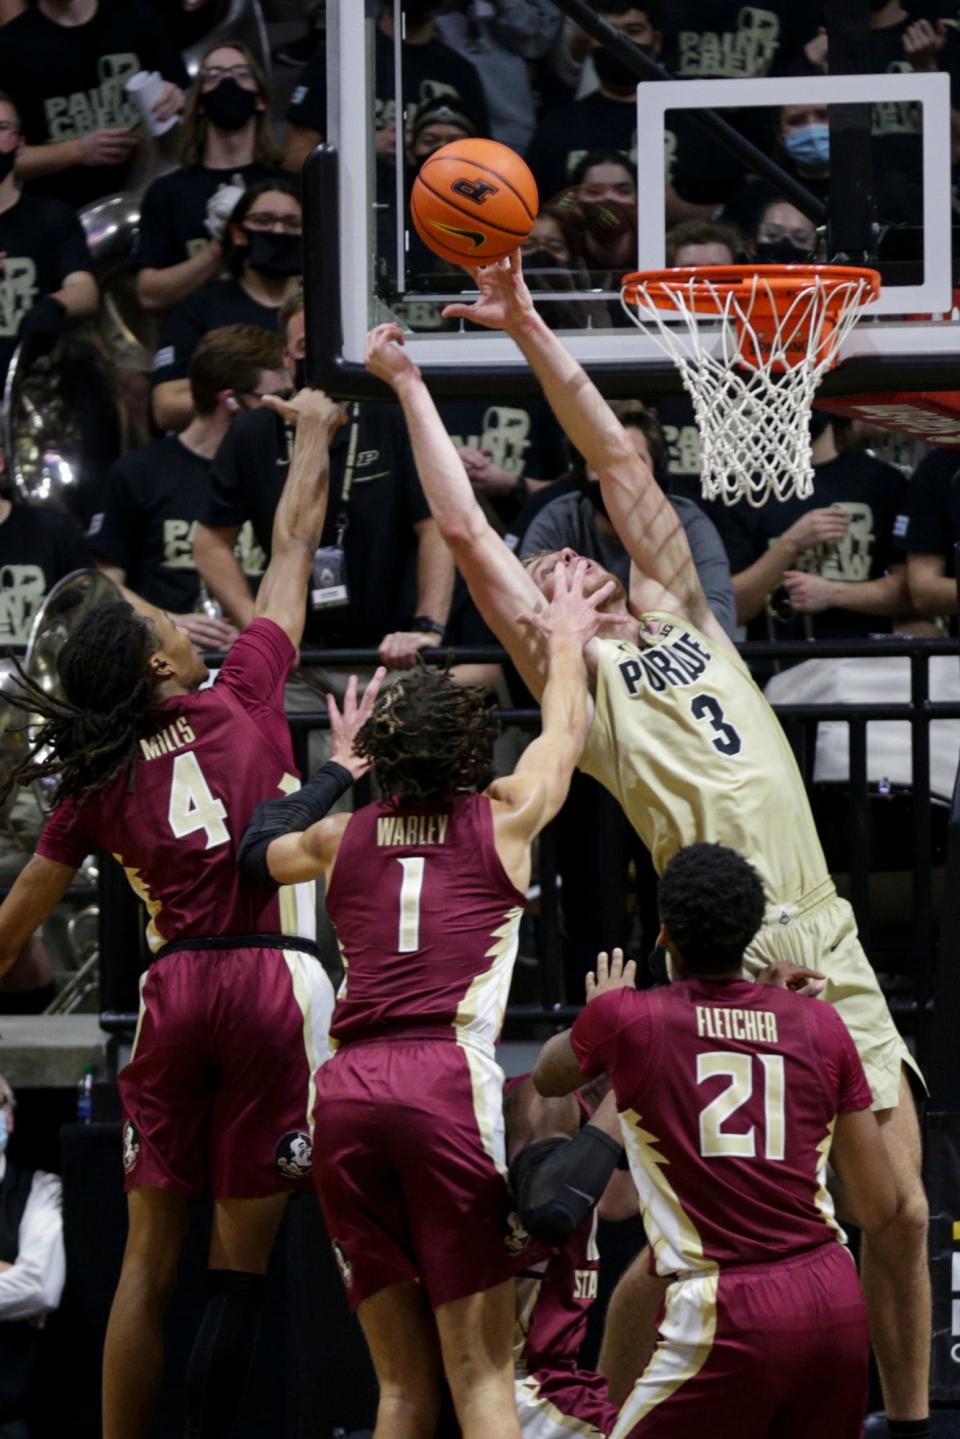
x=182, y=517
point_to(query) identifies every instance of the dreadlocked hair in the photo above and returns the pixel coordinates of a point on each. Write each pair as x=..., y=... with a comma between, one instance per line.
x=91, y=736
x=429, y=738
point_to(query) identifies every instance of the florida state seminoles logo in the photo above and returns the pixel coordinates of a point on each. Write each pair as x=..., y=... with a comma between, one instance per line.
x=131, y=1147
x=479, y=191
x=293, y=1155
x=516, y=1238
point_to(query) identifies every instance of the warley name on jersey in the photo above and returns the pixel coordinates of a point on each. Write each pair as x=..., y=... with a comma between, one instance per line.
x=679, y=662
x=412, y=829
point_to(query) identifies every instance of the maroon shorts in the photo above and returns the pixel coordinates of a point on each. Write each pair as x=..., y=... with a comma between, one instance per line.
x=775, y=1349
x=410, y=1171
x=218, y=1093
x=549, y=1399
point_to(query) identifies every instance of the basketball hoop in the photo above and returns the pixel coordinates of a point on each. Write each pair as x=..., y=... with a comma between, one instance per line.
x=769, y=334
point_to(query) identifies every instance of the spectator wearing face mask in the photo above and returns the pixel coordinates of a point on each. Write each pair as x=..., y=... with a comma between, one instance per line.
x=803, y=140
x=262, y=252
x=778, y=233
x=225, y=143
x=433, y=73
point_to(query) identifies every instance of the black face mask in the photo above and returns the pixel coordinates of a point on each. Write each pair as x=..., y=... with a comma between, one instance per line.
x=541, y=260
x=7, y=159
x=781, y=252
x=613, y=72
x=275, y=255
x=229, y=106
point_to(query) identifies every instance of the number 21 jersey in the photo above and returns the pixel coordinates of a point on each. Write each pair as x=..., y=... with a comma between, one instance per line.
x=175, y=823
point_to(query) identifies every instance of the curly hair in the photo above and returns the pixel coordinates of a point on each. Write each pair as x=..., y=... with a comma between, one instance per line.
x=92, y=736
x=430, y=738
x=711, y=904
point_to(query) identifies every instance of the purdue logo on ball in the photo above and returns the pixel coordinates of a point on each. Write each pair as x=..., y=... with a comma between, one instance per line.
x=293, y=1155
x=131, y=1147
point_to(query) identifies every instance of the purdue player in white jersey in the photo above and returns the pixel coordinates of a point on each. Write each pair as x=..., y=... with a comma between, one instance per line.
x=688, y=744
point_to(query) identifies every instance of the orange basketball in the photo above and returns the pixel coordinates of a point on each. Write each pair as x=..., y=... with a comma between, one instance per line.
x=473, y=201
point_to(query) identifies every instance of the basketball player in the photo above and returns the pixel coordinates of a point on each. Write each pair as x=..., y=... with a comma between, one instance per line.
x=732, y=1095
x=681, y=735
x=563, y=1155
x=426, y=892
x=235, y=1005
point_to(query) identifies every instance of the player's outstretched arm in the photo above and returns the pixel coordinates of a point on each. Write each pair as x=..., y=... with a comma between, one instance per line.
x=529, y=798
x=37, y=889
x=500, y=586
x=298, y=522
x=290, y=840
x=647, y=524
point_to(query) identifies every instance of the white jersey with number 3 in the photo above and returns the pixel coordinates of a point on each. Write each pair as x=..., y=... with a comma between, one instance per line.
x=685, y=740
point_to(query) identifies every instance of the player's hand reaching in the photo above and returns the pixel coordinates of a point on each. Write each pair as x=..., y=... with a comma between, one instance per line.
x=345, y=726
x=386, y=358
x=311, y=405
x=784, y=975
x=504, y=301
x=611, y=973
x=573, y=613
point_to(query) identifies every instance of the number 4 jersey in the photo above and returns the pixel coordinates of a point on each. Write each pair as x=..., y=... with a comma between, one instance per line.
x=728, y=1093
x=175, y=821
x=685, y=740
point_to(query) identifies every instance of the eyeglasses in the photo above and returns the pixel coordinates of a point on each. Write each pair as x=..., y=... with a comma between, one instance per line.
x=266, y=220
x=211, y=75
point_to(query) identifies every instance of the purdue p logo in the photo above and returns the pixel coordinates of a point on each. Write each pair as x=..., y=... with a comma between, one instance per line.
x=476, y=190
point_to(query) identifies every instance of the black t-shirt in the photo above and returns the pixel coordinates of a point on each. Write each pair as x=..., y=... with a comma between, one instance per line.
x=872, y=494
x=222, y=302
x=384, y=504
x=67, y=81
x=727, y=40
x=930, y=522
x=154, y=498
x=43, y=242
x=174, y=210
x=430, y=72
x=38, y=546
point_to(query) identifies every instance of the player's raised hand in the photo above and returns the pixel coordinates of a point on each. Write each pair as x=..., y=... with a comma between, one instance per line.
x=345, y=726
x=504, y=298
x=573, y=613
x=312, y=405
x=611, y=973
x=386, y=358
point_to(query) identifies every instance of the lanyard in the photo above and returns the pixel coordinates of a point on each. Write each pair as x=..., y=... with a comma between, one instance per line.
x=343, y=515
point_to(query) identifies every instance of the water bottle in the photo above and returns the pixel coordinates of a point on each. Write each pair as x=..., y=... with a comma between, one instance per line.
x=85, y=1094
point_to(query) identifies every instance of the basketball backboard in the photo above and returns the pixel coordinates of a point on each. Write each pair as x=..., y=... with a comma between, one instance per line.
x=362, y=267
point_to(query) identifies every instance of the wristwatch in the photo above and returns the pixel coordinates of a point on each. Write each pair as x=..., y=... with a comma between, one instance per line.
x=427, y=625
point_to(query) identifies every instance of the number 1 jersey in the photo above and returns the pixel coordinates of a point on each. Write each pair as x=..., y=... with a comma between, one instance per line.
x=728, y=1093
x=427, y=920
x=175, y=821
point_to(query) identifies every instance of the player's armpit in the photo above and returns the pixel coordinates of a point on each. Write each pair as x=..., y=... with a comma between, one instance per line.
x=859, y=1157
x=557, y=1070
x=38, y=887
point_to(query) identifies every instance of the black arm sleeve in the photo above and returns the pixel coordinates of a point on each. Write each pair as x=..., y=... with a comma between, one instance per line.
x=557, y=1182
x=289, y=815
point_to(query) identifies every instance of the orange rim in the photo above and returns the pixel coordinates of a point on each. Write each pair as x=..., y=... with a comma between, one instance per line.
x=704, y=285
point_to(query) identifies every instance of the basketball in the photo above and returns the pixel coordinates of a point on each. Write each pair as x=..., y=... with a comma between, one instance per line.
x=474, y=201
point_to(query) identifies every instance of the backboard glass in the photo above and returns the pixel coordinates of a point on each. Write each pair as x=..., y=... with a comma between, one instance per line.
x=364, y=265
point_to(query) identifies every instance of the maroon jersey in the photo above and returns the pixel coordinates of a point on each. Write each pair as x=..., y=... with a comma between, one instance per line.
x=427, y=921
x=728, y=1094
x=176, y=824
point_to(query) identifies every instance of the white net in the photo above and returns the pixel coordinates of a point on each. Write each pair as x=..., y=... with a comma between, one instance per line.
x=751, y=361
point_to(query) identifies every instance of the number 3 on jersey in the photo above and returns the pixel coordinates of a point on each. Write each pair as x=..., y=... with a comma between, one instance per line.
x=192, y=806
x=705, y=707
